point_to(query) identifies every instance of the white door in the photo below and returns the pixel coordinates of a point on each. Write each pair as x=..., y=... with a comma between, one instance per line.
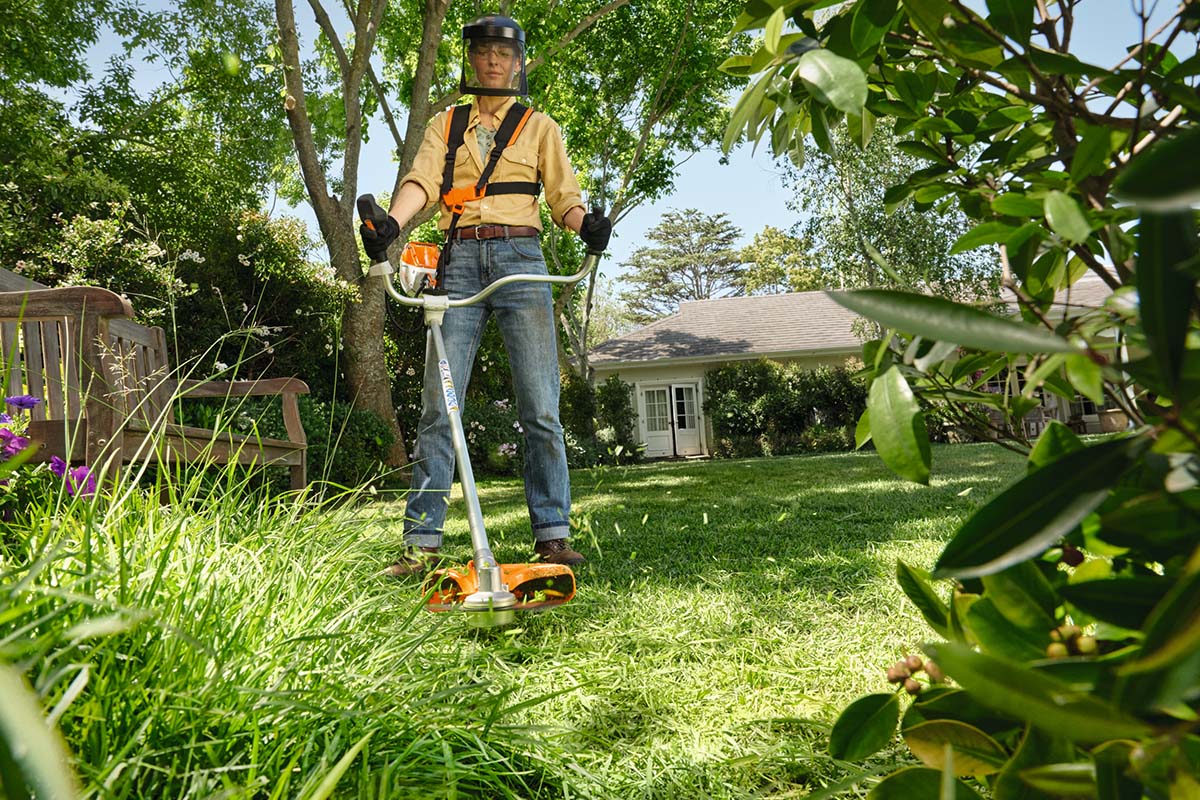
x=687, y=420
x=656, y=421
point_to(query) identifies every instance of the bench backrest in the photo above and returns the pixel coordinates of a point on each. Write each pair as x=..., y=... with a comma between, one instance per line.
x=43, y=355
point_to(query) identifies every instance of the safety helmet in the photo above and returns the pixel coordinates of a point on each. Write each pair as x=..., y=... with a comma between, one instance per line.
x=493, y=60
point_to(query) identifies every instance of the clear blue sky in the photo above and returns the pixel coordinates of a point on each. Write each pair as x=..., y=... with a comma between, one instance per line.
x=748, y=189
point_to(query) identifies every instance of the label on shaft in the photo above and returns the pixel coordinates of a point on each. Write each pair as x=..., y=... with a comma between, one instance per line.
x=448, y=385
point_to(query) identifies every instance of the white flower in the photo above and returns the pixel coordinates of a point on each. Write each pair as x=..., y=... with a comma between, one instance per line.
x=221, y=366
x=410, y=372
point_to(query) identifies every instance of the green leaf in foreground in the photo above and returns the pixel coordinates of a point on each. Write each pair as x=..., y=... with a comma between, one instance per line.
x=33, y=761
x=911, y=783
x=975, y=753
x=1025, y=694
x=1036, y=748
x=1166, y=293
x=833, y=80
x=1036, y=511
x=898, y=427
x=915, y=585
x=946, y=321
x=1055, y=442
x=1167, y=176
x=1063, y=780
x=865, y=727
x=1066, y=218
x=1125, y=601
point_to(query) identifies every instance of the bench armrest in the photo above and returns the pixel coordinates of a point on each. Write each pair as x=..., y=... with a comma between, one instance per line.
x=285, y=388
x=259, y=388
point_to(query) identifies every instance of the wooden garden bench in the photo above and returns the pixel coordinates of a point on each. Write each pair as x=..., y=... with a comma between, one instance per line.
x=107, y=387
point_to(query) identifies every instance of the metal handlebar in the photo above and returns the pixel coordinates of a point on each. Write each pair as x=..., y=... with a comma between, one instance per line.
x=372, y=214
x=384, y=269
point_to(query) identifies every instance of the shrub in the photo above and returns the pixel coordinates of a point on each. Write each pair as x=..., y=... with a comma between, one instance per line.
x=617, y=434
x=765, y=408
x=346, y=447
x=577, y=406
x=1066, y=658
x=495, y=438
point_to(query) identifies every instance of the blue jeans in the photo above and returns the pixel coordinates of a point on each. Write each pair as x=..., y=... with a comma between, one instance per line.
x=525, y=315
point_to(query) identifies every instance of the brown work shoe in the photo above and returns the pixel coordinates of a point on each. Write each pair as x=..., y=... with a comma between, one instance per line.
x=413, y=562
x=558, y=551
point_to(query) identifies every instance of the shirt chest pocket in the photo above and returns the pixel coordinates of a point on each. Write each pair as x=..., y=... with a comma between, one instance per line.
x=517, y=163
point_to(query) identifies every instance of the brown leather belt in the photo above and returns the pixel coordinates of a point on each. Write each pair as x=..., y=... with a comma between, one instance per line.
x=495, y=231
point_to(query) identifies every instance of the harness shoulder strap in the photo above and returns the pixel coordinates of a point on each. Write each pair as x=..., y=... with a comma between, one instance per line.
x=456, y=128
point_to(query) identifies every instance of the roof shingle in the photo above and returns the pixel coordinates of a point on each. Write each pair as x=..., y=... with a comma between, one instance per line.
x=771, y=325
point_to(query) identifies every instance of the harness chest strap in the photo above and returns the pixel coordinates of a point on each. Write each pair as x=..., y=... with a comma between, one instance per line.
x=456, y=198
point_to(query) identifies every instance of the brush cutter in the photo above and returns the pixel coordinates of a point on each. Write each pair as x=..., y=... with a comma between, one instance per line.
x=491, y=592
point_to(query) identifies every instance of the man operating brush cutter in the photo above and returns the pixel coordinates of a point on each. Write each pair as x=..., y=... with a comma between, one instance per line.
x=488, y=163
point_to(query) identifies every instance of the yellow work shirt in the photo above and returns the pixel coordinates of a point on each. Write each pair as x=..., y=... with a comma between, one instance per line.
x=537, y=155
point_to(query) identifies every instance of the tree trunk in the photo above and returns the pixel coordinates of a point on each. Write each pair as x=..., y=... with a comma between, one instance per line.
x=366, y=368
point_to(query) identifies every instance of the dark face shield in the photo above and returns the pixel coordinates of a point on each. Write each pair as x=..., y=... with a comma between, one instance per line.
x=493, y=58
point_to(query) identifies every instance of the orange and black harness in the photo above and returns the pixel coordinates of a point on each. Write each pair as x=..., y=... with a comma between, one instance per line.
x=456, y=199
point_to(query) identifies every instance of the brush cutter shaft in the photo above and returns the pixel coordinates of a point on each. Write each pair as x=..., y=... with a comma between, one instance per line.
x=485, y=562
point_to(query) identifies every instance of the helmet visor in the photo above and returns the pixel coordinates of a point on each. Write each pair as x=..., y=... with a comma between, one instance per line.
x=493, y=66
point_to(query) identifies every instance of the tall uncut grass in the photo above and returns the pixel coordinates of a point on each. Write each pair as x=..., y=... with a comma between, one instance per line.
x=231, y=645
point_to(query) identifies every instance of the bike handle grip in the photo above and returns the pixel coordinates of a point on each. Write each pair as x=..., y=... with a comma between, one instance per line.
x=370, y=212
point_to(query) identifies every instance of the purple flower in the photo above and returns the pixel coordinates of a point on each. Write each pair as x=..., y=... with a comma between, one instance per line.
x=81, y=481
x=23, y=401
x=4, y=418
x=58, y=466
x=11, y=443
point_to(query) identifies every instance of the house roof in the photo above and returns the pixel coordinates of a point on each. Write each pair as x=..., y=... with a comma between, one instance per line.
x=1090, y=291
x=776, y=324
x=800, y=323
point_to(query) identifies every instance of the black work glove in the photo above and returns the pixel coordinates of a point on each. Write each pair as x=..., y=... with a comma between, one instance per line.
x=595, y=230
x=376, y=242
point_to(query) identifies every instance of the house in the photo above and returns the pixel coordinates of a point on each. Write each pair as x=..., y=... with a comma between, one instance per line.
x=666, y=360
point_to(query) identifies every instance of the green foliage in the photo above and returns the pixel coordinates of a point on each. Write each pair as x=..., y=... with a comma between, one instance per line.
x=1070, y=622
x=261, y=303
x=616, y=434
x=495, y=438
x=692, y=258
x=577, y=405
x=765, y=408
x=858, y=233
x=598, y=422
x=777, y=262
x=346, y=446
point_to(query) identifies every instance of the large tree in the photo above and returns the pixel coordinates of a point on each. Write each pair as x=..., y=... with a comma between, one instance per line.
x=860, y=236
x=777, y=261
x=635, y=104
x=693, y=257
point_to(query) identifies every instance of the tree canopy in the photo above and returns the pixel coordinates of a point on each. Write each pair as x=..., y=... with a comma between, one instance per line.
x=858, y=237
x=693, y=257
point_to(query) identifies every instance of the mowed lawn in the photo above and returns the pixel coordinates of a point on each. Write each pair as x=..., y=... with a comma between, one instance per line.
x=728, y=611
